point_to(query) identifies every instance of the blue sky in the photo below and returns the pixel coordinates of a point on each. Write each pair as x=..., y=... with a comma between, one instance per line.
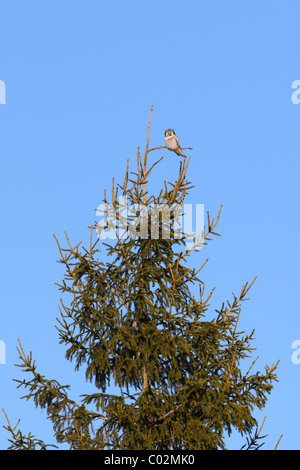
x=80, y=80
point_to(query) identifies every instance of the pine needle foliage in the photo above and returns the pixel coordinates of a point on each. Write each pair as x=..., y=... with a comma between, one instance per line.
x=138, y=321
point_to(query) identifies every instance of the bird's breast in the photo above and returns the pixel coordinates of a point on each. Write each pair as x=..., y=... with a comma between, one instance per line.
x=171, y=142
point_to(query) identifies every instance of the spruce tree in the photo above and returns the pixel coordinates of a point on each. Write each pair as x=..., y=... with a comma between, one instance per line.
x=168, y=372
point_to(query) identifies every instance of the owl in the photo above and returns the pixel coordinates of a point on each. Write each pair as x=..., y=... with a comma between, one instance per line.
x=172, y=142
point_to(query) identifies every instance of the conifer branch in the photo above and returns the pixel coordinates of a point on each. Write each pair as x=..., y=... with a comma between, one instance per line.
x=167, y=415
x=262, y=424
x=20, y=441
x=39, y=384
x=278, y=442
x=145, y=157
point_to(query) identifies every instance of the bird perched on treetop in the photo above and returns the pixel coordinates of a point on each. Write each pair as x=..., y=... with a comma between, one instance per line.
x=172, y=142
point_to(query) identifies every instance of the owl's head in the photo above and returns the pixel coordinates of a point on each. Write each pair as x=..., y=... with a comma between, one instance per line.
x=169, y=132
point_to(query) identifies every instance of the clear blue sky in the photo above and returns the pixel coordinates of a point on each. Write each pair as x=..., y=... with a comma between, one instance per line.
x=80, y=80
